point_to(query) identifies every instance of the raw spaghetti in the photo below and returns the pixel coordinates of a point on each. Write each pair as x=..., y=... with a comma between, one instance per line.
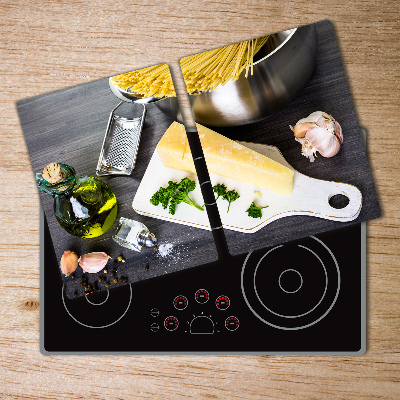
x=202, y=72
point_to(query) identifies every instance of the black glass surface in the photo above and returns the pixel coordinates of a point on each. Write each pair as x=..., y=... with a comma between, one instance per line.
x=294, y=298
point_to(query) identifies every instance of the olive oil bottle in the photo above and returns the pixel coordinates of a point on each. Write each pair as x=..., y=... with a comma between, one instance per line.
x=84, y=206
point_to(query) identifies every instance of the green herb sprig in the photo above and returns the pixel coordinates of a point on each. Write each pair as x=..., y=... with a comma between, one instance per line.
x=254, y=211
x=175, y=193
x=230, y=196
x=220, y=189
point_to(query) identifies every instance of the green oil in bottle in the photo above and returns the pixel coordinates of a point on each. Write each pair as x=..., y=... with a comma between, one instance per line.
x=85, y=206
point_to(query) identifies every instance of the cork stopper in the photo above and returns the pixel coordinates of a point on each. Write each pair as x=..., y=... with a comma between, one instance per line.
x=53, y=173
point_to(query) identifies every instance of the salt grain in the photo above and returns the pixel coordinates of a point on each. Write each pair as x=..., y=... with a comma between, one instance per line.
x=165, y=249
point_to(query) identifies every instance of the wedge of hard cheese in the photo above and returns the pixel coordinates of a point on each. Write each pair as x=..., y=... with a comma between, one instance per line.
x=224, y=157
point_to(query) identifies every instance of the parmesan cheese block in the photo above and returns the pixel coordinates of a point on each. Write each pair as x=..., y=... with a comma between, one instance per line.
x=224, y=157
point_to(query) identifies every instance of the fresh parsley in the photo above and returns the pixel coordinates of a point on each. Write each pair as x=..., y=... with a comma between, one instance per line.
x=220, y=190
x=229, y=196
x=175, y=193
x=254, y=211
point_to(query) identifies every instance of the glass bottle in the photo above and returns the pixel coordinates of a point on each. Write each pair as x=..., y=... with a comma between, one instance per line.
x=84, y=206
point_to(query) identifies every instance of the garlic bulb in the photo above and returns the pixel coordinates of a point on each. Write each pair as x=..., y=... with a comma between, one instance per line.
x=69, y=262
x=318, y=132
x=93, y=262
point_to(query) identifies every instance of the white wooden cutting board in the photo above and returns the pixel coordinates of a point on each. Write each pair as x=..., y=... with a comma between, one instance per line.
x=309, y=197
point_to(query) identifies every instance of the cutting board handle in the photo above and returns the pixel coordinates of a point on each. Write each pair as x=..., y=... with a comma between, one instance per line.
x=317, y=197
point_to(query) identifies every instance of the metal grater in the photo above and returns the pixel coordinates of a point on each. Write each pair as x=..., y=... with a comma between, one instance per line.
x=121, y=142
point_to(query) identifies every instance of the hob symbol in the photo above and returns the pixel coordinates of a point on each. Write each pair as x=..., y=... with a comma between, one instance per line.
x=201, y=325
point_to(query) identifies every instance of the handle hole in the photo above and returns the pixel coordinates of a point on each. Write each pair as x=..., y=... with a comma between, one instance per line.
x=338, y=201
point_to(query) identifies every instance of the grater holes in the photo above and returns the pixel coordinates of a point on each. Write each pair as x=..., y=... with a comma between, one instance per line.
x=123, y=148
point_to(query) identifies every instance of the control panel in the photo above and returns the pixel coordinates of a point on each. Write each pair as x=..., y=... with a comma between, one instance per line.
x=197, y=313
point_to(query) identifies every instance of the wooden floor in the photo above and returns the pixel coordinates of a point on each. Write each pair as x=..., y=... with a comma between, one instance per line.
x=49, y=45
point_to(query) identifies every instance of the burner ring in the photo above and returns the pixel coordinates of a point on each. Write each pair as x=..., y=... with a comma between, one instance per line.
x=299, y=315
x=280, y=279
x=303, y=320
x=98, y=304
x=101, y=326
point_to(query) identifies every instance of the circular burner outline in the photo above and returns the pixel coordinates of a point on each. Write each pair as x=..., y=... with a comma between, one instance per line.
x=98, y=304
x=291, y=316
x=97, y=327
x=303, y=326
x=301, y=280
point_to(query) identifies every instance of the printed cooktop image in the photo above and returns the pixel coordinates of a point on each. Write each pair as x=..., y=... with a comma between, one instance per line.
x=91, y=148
x=266, y=195
x=130, y=194
x=279, y=136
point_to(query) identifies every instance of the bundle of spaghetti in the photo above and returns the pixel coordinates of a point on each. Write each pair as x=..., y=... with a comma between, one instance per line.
x=205, y=71
x=151, y=81
x=202, y=72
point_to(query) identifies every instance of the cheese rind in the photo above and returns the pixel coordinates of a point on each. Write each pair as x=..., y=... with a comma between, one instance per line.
x=224, y=157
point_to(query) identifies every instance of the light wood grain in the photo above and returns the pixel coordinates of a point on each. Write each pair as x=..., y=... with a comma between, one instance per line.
x=49, y=45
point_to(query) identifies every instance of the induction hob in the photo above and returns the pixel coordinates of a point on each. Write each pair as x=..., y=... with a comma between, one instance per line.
x=302, y=297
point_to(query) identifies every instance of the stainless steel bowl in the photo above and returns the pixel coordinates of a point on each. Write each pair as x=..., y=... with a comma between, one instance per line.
x=282, y=68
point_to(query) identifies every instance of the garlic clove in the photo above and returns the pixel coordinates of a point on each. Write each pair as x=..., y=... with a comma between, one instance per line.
x=331, y=149
x=69, y=262
x=93, y=262
x=318, y=132
x=326, y=144
x=300, y=129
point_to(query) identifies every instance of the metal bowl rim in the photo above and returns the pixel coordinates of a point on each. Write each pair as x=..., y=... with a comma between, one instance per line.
x=292, y=32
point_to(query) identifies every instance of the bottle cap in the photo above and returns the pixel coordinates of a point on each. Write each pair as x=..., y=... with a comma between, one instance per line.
x=147, y=239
